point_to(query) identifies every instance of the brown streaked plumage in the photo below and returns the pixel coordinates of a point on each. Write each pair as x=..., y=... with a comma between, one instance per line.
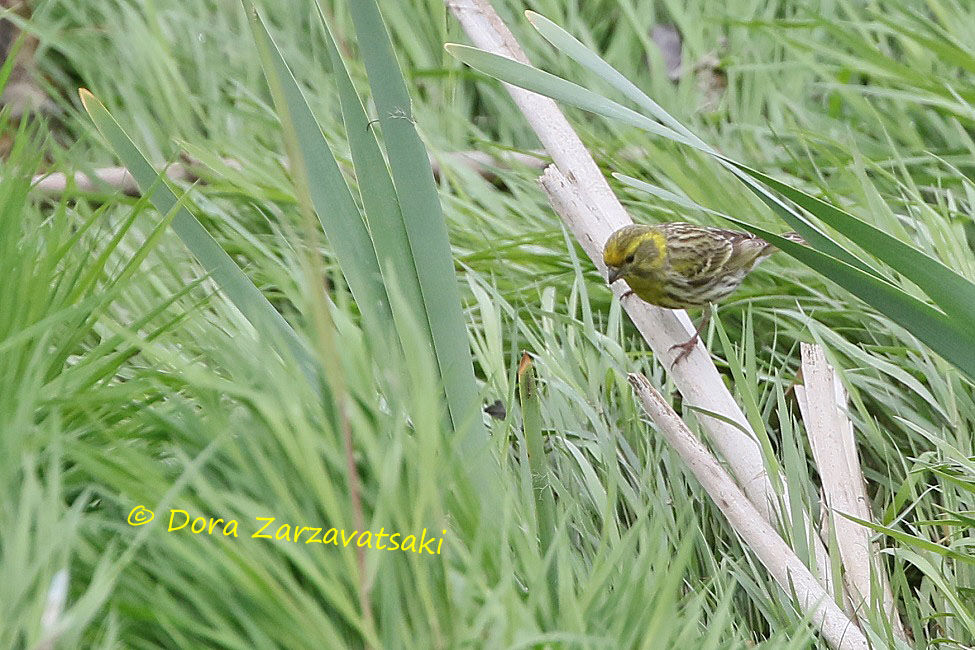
x=682, y=265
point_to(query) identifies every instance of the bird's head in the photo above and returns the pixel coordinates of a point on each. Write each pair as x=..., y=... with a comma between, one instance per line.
x=634, y=250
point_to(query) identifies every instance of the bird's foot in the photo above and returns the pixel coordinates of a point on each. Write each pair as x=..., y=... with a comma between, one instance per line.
x=626, y=294
x=685, y=349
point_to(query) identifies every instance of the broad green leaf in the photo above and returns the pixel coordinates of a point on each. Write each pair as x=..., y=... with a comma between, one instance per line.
x=666, y=195
x=330, y=195
x=950, y=291
x=419, y=202
x=545, y=83
x=947, y=337
x=377, y=193
x=574, y=49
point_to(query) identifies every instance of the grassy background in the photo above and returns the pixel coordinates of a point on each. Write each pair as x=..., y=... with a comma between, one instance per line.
x=125, y=379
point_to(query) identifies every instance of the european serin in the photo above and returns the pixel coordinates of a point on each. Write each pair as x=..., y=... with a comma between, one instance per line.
x=681, y=265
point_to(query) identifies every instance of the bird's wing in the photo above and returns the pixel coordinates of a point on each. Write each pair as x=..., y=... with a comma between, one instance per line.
x=699, y=252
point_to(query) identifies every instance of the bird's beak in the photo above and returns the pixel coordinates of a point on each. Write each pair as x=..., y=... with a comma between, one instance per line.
x=614, y=274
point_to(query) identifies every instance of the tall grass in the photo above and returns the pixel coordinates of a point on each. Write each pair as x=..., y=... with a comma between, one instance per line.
x=131, y=378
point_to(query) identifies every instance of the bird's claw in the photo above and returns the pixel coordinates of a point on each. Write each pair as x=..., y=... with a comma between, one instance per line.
x=685, y=349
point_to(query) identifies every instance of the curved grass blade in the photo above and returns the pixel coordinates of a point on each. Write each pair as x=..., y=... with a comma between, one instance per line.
x=947, y=337
x=531, y=410
x=221, y=267
x=572, y=47
x=684, y=202
x=544, y=83
x=664, y=194
x=578, y=52
x=953, y=293
x=557, y=88
x=11, y=58
x=326, y=187
x=913, y=540
x=950, y=291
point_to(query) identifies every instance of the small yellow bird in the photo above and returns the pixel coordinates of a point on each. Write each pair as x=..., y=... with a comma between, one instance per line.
x=682, y=265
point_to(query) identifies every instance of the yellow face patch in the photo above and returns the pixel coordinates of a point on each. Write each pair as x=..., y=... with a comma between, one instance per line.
x=622, y=248
x=660, y=243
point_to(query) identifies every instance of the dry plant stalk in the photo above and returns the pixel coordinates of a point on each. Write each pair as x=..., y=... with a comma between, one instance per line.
x=118, y=179
x=782, y=563
x=822, y=402
x=107, y=179
x=582, y=197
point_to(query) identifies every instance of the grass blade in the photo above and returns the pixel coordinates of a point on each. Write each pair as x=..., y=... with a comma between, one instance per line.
x=329, y=193
x=221, y=267
x=948, y=338
x=531, y=411
x=420, y=205
x=574, y=49
x=377, y=192
x=550, y=85
x=544, y=83
x=950, y=291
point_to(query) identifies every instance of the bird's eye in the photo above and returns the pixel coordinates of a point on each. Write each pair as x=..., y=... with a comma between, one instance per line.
x=629, y=260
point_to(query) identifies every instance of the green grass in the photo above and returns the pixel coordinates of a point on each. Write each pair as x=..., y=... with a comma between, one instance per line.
x=130, y=374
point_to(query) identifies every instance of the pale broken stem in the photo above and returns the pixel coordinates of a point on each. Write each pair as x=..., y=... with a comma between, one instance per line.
x=486, y=29
x=763, y=540
x=115, y=179
x=582, y=197
x=107, y=179
x=118, y=179
x=696, y=377
x=822, y=402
